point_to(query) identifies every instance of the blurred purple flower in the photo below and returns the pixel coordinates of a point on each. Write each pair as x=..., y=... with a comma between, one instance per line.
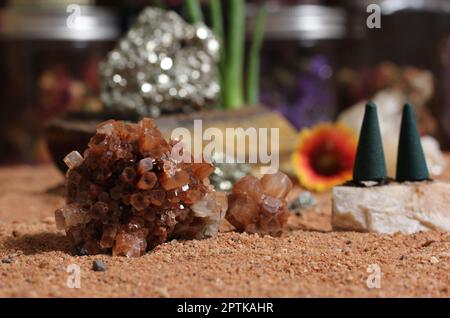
x=310, y=100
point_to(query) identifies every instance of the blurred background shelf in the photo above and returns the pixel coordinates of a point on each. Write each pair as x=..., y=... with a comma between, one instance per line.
x=318, y=59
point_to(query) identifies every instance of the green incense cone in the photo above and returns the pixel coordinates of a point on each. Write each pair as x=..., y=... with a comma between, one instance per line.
x=411, y=164
x=369, y=161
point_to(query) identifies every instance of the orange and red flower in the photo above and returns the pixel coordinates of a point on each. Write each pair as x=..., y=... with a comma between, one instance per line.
x=324, y=156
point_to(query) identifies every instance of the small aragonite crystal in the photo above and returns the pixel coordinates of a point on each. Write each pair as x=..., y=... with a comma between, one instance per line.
x=259, y=206
x=73, y=159
x=129, y=194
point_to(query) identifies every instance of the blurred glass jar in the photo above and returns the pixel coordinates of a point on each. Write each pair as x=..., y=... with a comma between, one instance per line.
x=48, y=60
x=297, y=60
x=445, y=88
x=402, y=60
x=410, y=42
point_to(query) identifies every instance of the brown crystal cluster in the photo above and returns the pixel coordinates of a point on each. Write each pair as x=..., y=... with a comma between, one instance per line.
x=259, y=206
x=128, y=192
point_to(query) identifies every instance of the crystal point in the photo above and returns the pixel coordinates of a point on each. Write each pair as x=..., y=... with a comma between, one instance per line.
x=73, y=159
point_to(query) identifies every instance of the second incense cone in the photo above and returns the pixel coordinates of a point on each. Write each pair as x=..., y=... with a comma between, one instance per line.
x=411, y=163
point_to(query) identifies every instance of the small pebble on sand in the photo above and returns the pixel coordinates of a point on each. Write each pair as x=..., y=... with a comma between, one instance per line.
x=99, y=266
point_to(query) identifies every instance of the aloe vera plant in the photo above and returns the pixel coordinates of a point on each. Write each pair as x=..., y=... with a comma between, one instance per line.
x=253, y=72
x=194, y=11
x=231, y=65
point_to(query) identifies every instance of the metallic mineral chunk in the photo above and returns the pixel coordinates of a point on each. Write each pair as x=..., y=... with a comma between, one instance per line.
x=226, y=174
x=304, y=200
x=162, y=64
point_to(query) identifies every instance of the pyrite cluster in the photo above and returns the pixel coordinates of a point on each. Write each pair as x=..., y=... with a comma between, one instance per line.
x=162, y=65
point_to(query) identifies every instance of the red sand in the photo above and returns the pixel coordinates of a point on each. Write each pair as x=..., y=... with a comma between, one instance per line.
x=308, y=261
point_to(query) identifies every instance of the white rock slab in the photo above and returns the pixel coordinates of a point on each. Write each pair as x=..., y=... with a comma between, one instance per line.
x=398, y=207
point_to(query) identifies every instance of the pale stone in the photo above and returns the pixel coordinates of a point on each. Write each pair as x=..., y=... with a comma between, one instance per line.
x=212, y=208
x=398, y=207
x=68, y=216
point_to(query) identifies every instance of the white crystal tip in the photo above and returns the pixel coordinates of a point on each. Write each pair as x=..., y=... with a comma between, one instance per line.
x=73, y=159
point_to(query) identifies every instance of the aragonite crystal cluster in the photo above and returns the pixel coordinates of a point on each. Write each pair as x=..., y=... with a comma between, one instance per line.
x=128, y=193
x=259, y=205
